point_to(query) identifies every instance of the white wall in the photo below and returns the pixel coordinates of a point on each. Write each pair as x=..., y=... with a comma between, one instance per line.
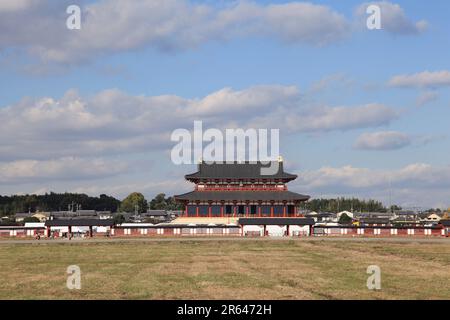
x=253, y=229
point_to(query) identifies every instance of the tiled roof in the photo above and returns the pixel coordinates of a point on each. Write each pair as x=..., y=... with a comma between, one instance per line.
x=445, y=223
x=276, y=221
x=235, y=170
x=242, y=196
x=79, y=222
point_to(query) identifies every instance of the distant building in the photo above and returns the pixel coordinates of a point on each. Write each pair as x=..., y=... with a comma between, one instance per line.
x=406, y=220
x=432, y=218
x=374, y=221
x=105, y=215
x=159, y=215
x=42, y=216
x=321, y=217
x=20, y=216
x=348, y=213
x=80, y=214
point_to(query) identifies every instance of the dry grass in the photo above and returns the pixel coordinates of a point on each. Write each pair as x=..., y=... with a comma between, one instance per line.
x=225, y=270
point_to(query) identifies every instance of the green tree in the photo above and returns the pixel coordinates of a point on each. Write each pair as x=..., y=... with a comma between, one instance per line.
x=9, y=205
x=118, y=219
x=134, y=202
x=160, y=202
x=395, y=208
x=341, y=204
x=345, y=219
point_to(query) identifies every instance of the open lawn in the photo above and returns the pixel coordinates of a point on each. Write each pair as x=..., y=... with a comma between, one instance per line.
x=225, y=270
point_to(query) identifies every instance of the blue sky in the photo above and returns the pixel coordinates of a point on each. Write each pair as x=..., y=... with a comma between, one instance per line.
x=91, y=110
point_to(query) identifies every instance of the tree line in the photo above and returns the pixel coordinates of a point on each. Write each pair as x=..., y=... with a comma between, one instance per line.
x=56, y=202
x=9, y=205
x=347, y=204
x=136, y=202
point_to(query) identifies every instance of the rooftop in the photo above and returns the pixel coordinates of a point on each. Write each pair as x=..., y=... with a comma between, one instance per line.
x=276, y=221
x=242, y=196
x=79, y=222
x=240, y=170
x=445, y=223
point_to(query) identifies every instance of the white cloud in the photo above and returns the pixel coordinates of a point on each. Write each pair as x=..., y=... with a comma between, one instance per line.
x=417, y=184
x=426, y=97
x=113, y=122
x=69, y=168
x=388, y=140
x=113, y=26
x=16, y=5
x=335, y=81
x=393, y=18
x=424, y=79
x=110, y=26
x=343, y=118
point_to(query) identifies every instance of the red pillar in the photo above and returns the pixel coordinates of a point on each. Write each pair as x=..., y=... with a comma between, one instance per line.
x=186, y=210
x=196, y=211
x=209, y=210
x=221, y=210
x=271, y=210
x=259, y=210
x=284, y=210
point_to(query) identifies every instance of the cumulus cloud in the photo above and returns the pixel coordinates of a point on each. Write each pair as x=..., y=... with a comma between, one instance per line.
x=424, y=79
x=409, y=184
x=343, y=118
x=68, y=168
x=393, y=18
x=111, y=26
x=426, y=97
x=113, y=122
x=16, y=5
x=332, y=81
x=388, y=140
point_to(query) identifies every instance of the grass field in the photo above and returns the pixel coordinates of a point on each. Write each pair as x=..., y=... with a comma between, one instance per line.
x=225, y=270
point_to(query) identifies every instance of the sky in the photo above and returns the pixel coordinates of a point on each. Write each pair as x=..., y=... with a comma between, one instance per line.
x=362, y=113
